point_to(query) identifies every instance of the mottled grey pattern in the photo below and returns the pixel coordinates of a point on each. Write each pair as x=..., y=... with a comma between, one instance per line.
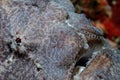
x=43, y=39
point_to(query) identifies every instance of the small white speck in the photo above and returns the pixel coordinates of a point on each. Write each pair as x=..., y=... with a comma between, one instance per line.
x=10, y=59
x=86, y=46
x=38, y=65
x=76, y=77
x=69, y=24
x=22, y=49
x=13, y=46
x=103, y=47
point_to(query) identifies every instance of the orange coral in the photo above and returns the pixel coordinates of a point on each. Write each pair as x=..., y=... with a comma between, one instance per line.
x=113, y=24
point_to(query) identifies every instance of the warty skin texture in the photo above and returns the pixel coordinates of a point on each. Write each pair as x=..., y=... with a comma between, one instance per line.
x=52, y=40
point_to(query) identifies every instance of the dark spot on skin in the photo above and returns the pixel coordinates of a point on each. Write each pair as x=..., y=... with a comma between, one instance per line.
x=44, y=79
x=99, y=76
x=17, y=32
x=20, y=55
x=34, y=4
x=18, y=40
x=8, y=62
x=67, y=17
x=11, y=36
x=62, y=35
x=9, y=46
x=38, y=69
x=62, y=32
